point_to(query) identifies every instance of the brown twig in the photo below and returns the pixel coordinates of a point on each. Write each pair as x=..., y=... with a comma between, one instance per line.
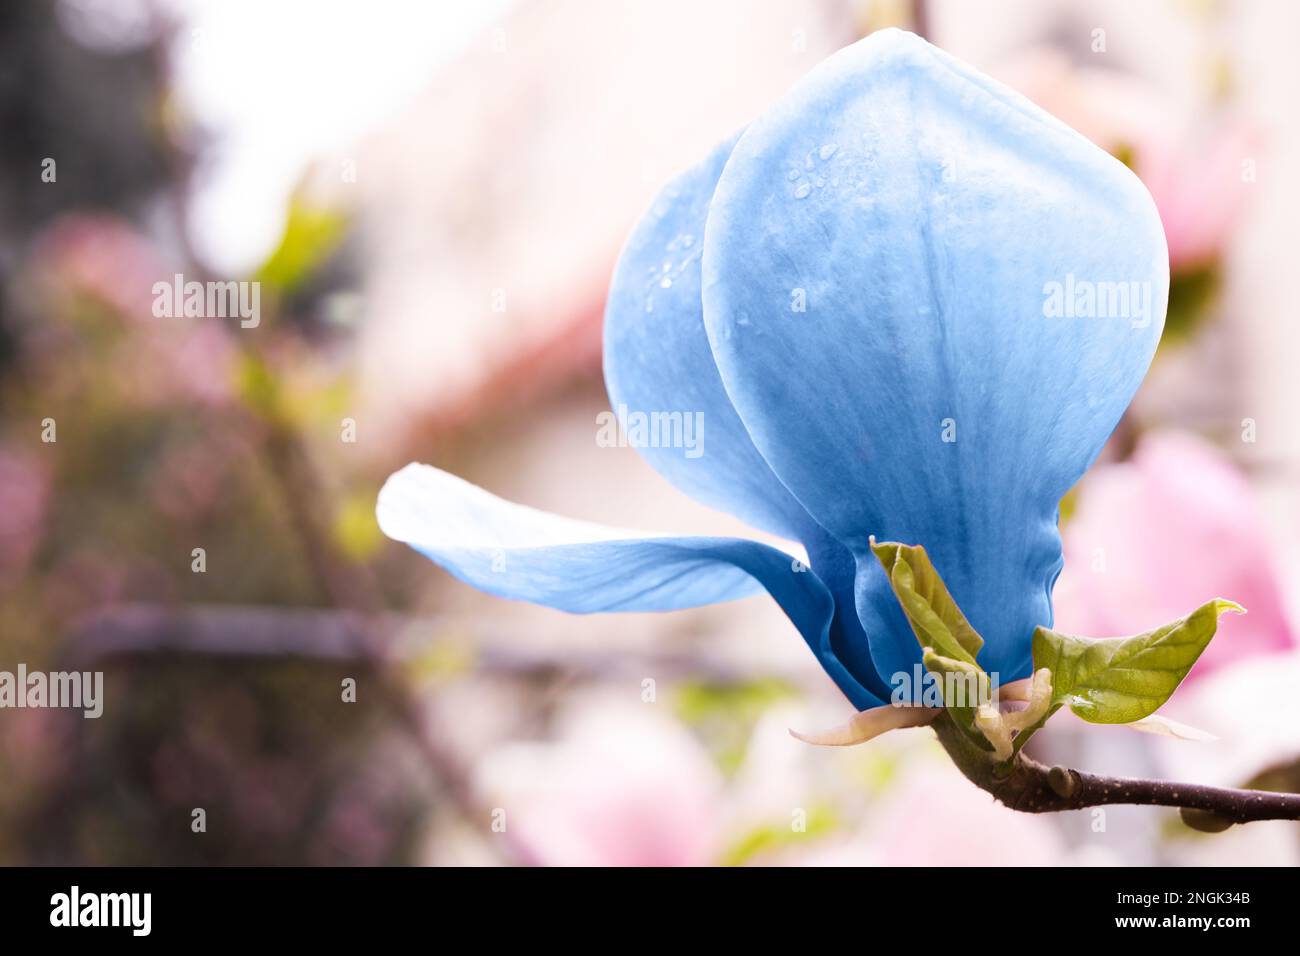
x=1032, y=787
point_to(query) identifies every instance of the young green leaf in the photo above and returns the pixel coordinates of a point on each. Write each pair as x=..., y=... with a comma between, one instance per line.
x=935, y=618
x=1119, y=680
x=1023, y=724
x=964, y=687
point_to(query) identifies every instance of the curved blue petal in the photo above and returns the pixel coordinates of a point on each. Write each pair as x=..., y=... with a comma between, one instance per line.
x=657, y=359
x=939, y=233
x=517, y=552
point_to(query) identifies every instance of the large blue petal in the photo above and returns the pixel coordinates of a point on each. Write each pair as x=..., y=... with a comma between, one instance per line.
x=920, y=212
x=657, y=359
x=517, y=552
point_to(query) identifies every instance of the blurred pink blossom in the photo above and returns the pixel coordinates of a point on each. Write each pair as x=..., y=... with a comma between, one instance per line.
x=1252, y=707
x=1158, y=535
x=932, y=816
x=24, y=502
x=1199, y=188
x=622, y=785
x=105, y=256
x=159, y=360
x=1196, y=171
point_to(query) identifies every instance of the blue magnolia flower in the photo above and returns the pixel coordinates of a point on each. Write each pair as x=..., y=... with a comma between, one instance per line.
x=908, y=303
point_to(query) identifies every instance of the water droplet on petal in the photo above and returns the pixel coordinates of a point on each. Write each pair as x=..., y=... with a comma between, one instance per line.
x=827, y=151
x=803, y=191
x=666, y=284
x=793, y=174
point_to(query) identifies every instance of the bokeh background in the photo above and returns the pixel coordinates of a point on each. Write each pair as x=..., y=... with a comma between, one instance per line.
x=432, y=196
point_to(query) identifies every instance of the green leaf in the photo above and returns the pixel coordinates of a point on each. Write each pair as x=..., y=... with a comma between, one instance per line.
x=948, y=642
x=1192, y=293
x=1119, y=680
x=257, y=386
x=311, y=235
x=964, y=687
x=935, y=618
x=1041, y=705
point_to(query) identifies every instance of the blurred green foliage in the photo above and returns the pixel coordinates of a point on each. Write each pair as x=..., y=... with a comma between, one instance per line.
x=725, y=713
x=311, y=236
